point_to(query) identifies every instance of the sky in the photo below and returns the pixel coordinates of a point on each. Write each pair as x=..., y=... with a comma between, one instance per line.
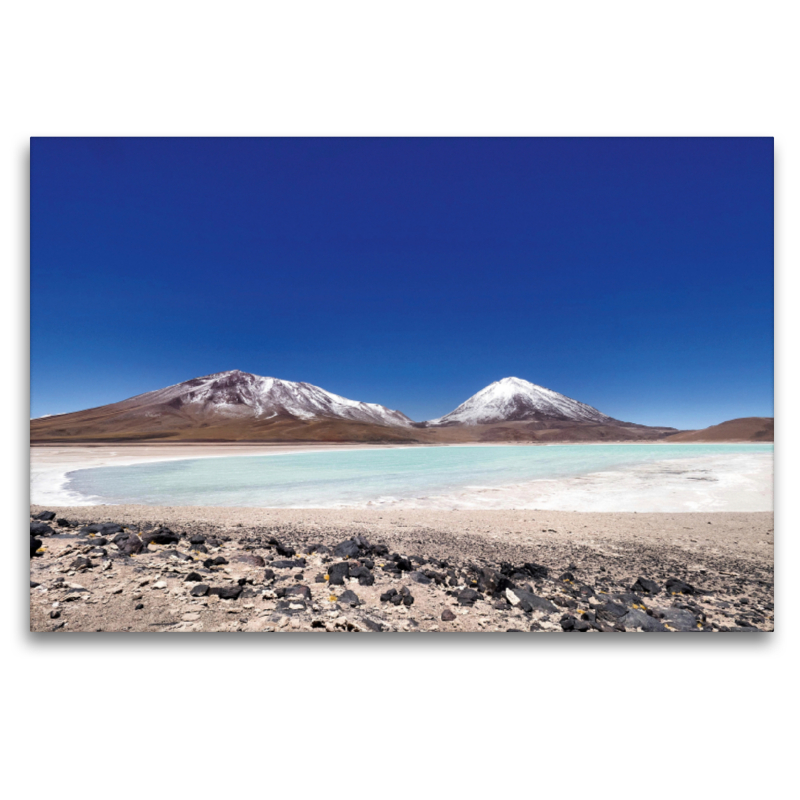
x=635, y=275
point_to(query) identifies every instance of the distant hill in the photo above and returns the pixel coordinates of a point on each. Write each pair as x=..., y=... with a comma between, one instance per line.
x=744, y=429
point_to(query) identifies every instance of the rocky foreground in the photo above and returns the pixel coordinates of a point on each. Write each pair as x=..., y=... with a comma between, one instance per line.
x=91, y=573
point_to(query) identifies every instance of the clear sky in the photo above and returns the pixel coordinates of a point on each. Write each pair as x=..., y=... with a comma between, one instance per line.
x=635, y=275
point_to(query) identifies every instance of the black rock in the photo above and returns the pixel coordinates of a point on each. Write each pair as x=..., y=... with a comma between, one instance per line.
x=130, y=545
x=532, y=602
x=467, y=597
x=287, y=552
x=197, y=539
x=403, y=564
x=110, y=527
x=346, y=549
x=193, y=577
x=40, y=529
x=99, y=541
x=635, y=618
x=567, y=576
x=220, y=561
x=199, y=590
x=34, y=584
x=81, y=563
x=269, y=575
x=379, y=550
x=300, y=592
x=611, y=611
x=373, y=625
x=63, y=523
x=396, y=600
x=419, y=577
x=338, y=572
x=349, y=598
x=226, y=592
x=93, y=527
x=161, y=536
x=298, y=563
x=448, y=615
x=680, y=619
x=645, y=586
x=55, y=614
x=35, y=545
x=535, y=570
x=138, y=607
x=408, y=600
x=388, y=595
x=676, y=586
x=46, y=515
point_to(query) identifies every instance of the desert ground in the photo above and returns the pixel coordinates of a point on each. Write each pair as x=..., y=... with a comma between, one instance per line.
x=136, y=568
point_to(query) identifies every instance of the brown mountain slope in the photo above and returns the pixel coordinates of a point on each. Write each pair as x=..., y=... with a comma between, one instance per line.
x=107, y=424
x=744, y=429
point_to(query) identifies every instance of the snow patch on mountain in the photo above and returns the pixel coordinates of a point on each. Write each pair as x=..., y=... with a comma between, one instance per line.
x=242, y=394
x=513, y=399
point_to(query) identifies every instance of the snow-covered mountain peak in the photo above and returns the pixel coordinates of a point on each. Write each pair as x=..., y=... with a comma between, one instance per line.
x=241, y=394
x=513, y=399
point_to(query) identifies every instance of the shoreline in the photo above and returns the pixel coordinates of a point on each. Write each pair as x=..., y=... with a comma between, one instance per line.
x=742, y=482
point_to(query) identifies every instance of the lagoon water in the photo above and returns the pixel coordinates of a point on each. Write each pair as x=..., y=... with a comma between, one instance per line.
x=597, y=477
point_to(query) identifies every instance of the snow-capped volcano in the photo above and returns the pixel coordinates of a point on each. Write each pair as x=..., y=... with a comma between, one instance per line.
x=243, y=395
x=513, y=399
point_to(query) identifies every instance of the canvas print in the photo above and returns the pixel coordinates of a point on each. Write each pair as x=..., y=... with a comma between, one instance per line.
x=377, y=385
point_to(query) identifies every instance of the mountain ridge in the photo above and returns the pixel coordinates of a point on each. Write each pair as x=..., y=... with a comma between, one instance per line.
x=240, y=406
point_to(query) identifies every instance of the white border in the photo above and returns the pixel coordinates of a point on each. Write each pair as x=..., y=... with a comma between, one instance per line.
x=463, y=717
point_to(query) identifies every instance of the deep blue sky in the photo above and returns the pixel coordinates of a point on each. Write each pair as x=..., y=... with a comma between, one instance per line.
x=635, y=275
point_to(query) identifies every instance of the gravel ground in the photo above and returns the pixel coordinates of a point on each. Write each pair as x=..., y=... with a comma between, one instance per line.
x=325, y=570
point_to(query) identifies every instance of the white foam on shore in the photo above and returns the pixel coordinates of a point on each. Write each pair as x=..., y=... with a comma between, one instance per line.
x=737, y=482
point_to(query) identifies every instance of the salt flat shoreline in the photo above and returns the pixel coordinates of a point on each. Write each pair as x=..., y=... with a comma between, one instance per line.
x=726, y=560
x=743, y=486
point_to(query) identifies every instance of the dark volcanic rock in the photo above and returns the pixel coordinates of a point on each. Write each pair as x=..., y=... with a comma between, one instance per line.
x=347, y=549
x=403, y=564
x=81, y=563
x=467, y=597
x=46, y=515
x=35, y=545
x=636, y=618
x=680, y=619
x=40, y=529
x=349, y=598
x=226, y=592
x=297, y=563
x=676, y=586
x=528, y=601
x=193, y=577
x=388, y=595
x=130, y=545
x=199, y=590
x=419, y=577
x=535, y=570
x=63, y=523
x=197, y=539
x=338, y=572
x=161, y=536
x=645, y=586
x=448, y=615
x=300, y=592
x=109, y=528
